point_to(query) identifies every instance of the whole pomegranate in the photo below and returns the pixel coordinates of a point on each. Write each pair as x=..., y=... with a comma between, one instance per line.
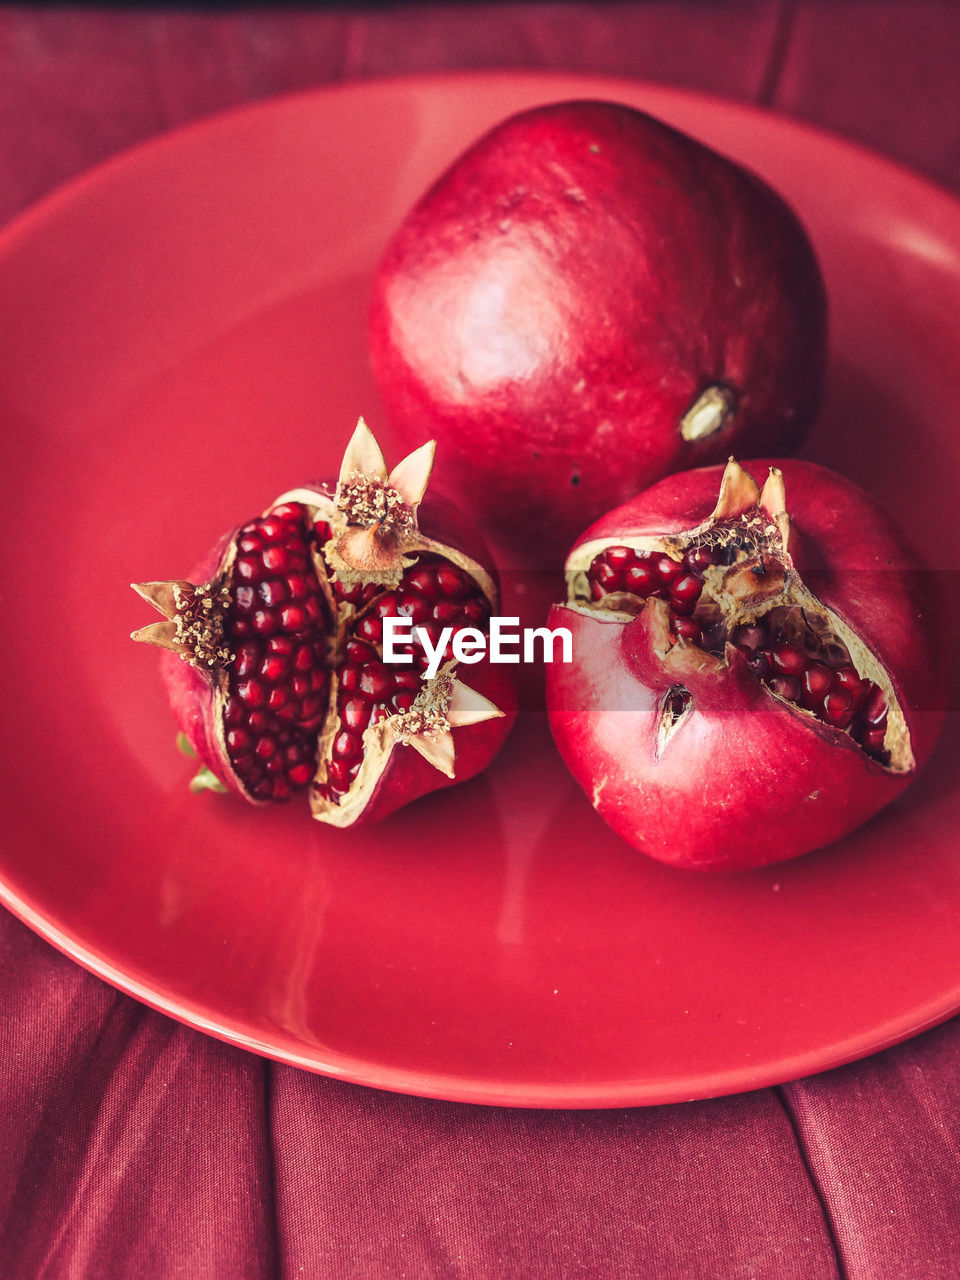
x=746, y=685
x=594, y=299
x=276, y=666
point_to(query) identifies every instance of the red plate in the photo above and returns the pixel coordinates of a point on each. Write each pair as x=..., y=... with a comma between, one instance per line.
x=181, y=339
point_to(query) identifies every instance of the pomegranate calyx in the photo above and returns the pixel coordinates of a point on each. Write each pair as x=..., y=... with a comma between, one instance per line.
x=194, y=620
x=442, y=705
x=738, y=492
x=206, y=780
x=773, y=500
x=374, y=531
x=709, y=413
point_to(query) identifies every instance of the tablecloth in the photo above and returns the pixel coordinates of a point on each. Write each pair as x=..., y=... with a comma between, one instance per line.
x=134, y=1147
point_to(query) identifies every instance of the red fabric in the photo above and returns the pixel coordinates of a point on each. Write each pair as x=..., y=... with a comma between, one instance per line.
x=132, y=1148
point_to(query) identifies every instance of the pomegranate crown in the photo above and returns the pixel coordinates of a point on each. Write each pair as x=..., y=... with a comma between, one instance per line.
x=375, y=526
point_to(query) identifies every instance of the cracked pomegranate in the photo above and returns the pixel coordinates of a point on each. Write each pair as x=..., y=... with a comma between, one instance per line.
x=274, y=662
x=589, y=297
x=747, y=684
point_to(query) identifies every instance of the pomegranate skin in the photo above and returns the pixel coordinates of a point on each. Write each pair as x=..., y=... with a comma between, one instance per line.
x=747, y=779
x=563, y=296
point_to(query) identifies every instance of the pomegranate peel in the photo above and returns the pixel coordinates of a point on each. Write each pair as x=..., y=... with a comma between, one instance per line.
x=592, y=295
x=734, y=715
x=273, y=660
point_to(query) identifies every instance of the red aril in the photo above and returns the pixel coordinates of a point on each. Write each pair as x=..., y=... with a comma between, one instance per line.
x=796, y=698
x=275, y=665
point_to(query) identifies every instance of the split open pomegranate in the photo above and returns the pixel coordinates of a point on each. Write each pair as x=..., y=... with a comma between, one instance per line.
x=275, y=661
x=747, y=684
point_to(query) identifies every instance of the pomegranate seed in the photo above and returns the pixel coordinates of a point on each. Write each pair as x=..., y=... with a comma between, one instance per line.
x=272, y=529
x=276, y=559
x=249, y=541
x=668, y=569
x=266, y=747
x=280, y=789
x=406, y=678
x=787, y=660
x=280, y=644
x=847, y=678
x=297, y=586
x=386, y=606
x=376, y=682
x=413, y=606
x=420, y=579
x=338, y=775
x=300, y=774
x=347, y=747
x=451, y=581
x=238, y=741
x=838, y=708
x=244, y=598
x=874, y=707
x=358, y=651
x=314, y=608
x=402, y=700
x=817, y=682
x=304, y=658
x=350, y=678
x=872, y=739
x=233, y=713
x=447, y=612
x=278, y=697
x=273, y=667
x=258, y=721
x=251, y=693
x=246, y=568
x=272, y=592
x=355, y=714
x=264, y=622
x=641, y=579
x=687, y=588
x=293, y=617
x=248, y=655
x=477, y=611
x=288, y=511
x=606, y=576
x=370, y=628
x=701, y=557
x=619, y=557
x=687, y=630
x=786, y=687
